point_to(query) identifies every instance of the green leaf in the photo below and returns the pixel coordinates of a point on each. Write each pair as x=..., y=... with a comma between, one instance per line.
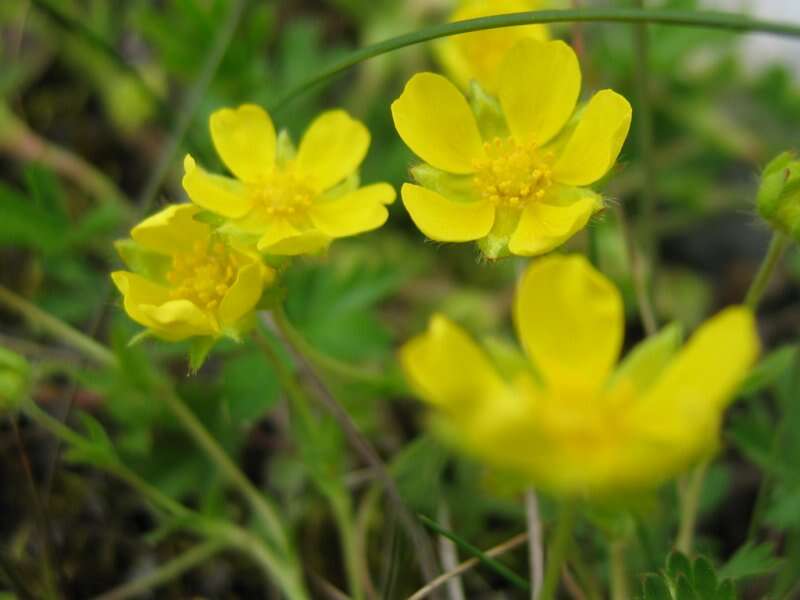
x=751, y=560
x=767, y=372
x=417, y=470
x=29, y=225
x=704, y=578
x=684, y=589
x=250, y=387
x=678, y=564
x=655, y=588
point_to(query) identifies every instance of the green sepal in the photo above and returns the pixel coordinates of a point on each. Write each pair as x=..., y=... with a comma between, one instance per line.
x=647, y=360
x=778, y=197
x=141, y=261
x=285, y=150
x=210, y=218
x=488, y=112
x=199, y=348
x=495, y=244
x=509, y=360
x=140, y=337
x=348, y=185
x=458, y=188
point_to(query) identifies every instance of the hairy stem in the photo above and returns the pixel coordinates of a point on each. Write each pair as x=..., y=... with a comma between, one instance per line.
x=777, y=246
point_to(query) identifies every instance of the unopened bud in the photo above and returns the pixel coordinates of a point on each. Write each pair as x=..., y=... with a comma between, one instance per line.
x=778, y=199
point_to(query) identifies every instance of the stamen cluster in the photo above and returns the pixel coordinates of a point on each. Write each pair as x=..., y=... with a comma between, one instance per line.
x=513, y=173
x=282, y=193
x=204, y=275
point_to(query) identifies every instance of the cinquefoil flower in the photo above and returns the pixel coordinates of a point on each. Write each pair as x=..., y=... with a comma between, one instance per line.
x=289, y=203
x=513, y=178
x=566, y=418
x=188, y=282
x=478, y=54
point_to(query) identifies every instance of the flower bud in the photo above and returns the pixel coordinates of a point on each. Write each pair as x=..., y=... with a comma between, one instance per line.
x=778, y=198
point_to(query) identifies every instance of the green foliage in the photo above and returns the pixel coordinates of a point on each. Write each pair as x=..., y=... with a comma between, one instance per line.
x=751, y=560
x=684, y=579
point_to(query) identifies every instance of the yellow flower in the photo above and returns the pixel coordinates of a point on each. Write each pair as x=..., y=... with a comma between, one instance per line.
x=513, y=178
x=289, y=203
x=566, y=418
x=478, y=54
x=190, y=282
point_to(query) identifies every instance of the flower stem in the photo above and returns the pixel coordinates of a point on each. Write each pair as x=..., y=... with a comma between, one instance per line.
x=777, y=246
x=57, y=328
x=619, y=576
x=166, y=572
x=559, y=546
x=690, y=505
x=681, y=18
x=535, y=555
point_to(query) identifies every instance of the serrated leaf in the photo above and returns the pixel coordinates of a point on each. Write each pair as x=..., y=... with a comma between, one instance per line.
x=751, y=560
x=726, y=591
x=704, y=578
x=655, y=588
x=684, y=589
x=677, y=565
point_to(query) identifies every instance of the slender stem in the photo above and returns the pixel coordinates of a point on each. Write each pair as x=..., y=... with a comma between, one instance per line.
x=191, y=102
x=646, y=311
x=424, y=553
x=535, y=554
x=510, y=544
x=777, y=246
x=684, y=18
x=448, y=554
x=619, y=575
x=322, y=361
x=559, y=546
x=690, y=505
x=166, y=572
x=258, y=502
x=57, y=328
x=343, y=514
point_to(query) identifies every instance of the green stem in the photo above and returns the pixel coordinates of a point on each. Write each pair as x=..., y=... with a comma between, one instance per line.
x=619, y=575
x=690, y=505
x=57, y=328
x=338, y=498
x=777, y=246
x=166, y=572
x=322, y=361
x=684, y=18
x=559, y=546
x=258, y=502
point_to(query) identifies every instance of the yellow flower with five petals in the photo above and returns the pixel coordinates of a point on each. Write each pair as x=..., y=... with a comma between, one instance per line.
x=188, y=282
x=288, y=202
x=477, y=54
x=565, y=418
x=510, y=172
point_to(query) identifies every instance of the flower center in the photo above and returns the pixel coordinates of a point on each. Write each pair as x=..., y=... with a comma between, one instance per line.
x=202, y=275
x=512, y=174
x=282, y=193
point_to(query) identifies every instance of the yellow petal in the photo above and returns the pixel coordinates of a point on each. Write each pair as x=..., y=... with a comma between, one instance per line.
x=543, y=227
x=539, y=84
x=283, y=238
x=446, y=220
x=435, y=121
x=478, y=54
x=570, y=320
x=596, y=141
x=448, y=369
x=245, y=140
x=242, y=296
x=332, y=148
x=222, y=195
x=701, y=380
x=179, y=319
x=171, y=230
x=357, y=212
x=136, y=291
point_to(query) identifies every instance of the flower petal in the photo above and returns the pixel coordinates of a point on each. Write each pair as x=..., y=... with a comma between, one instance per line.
x=596, y=141
x=446, y=220
x=435, y=121
x=283, y=238
x=242, y=296
x=539, y=84
x=245, y=140
x=136, y=291
x=222, y=195
x=179, y=319
x=570, y=320
x=357, y=212
x=332, y=148
x=171, y=230
x=448, y=369
x=701, y=380
x=543, y=227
